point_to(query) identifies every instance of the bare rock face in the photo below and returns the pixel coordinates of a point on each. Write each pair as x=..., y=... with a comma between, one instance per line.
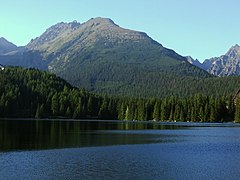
x=225, y=65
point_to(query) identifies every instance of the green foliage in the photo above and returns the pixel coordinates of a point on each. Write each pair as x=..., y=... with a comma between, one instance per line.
x=32, y=93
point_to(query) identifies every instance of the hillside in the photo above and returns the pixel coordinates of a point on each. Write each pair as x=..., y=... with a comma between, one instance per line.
x=34, y=93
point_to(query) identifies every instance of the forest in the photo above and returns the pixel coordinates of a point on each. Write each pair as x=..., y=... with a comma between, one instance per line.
x=31, y=93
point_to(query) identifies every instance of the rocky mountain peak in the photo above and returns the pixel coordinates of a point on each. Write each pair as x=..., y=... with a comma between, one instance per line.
x=105, y=28
x=6, y=46
x=3, y=41
x=100, y=20
x=234, y=51
x=225, y=65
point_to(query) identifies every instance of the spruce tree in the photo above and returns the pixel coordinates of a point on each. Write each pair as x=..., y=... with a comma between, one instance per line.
x=156, y=115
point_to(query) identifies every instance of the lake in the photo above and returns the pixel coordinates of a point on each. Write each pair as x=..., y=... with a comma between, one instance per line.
x=88, y=149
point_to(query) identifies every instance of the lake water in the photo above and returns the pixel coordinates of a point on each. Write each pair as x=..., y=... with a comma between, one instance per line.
x=61, y=149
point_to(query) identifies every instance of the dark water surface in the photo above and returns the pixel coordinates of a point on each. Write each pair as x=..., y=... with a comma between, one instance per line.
x=60, y=149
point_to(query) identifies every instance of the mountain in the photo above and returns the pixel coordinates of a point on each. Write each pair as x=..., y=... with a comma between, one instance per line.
x=225, y=65
x=6, y=46
x=105, y=58
x=97, y=39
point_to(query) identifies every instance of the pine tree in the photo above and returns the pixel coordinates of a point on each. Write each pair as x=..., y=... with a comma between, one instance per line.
x=68, y=112
x=164, y=111
x=181, y=117
x=54, y=106
x=77, y=112
x=38, y=115
x=177, y=113
x=127, y=114
x=121, y=112
x=156, y=109
x=40, y=111
x=201, y=115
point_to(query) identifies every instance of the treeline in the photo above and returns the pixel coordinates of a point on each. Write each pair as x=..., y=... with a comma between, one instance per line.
x=199, y=108
x=33, y=93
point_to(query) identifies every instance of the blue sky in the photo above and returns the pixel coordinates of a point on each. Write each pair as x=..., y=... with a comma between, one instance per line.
x=202, y=29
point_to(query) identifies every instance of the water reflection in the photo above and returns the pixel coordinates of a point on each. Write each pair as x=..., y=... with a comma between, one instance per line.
x=164, y=151
x=50, y=134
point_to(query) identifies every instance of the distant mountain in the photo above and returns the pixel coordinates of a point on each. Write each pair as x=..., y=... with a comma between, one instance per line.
x=24, y=58
x=194, y=62
x=105, y=58
x=6, y=46
x=225, y=65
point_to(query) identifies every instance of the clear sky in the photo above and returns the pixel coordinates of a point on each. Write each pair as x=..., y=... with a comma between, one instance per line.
x=200, y=28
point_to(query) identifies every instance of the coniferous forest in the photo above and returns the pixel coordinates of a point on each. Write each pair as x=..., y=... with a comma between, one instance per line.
x=31, y=93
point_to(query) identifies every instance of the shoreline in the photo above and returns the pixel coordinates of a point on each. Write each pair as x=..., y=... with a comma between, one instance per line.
x=197, y=124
